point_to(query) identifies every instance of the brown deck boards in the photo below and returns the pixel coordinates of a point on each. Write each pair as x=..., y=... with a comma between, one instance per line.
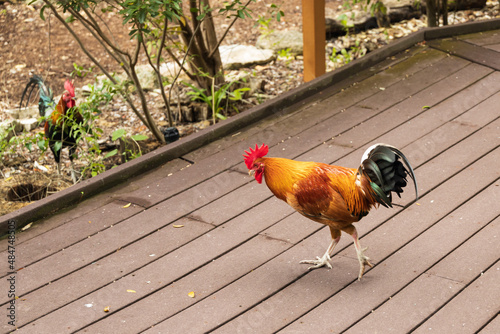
x=436, y=260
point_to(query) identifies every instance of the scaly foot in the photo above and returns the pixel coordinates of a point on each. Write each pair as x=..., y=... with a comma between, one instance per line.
x=363, y=260
x=319, y=262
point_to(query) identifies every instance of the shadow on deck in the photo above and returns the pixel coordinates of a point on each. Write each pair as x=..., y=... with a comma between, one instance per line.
x=102, y=266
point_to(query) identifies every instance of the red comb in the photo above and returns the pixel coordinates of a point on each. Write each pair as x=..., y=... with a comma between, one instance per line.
x=259, y=152
x=68, y=85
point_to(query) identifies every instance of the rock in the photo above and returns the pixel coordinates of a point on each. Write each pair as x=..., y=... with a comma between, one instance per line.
x=147, y=77
x=238, y=56
x=20, y=113
x=171, y=69
x=281, y=40
x=398, y=14
x=179, y=95
x=355, y=19
x=28, y=123
x=244, y=79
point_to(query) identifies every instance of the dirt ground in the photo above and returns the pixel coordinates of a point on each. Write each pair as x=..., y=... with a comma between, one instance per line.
x=29, y=45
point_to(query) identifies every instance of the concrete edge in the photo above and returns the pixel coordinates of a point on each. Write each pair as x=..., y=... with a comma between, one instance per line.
x=75, y=194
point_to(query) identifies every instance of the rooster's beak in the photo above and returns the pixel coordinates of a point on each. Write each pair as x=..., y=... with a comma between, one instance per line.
x=251, y=172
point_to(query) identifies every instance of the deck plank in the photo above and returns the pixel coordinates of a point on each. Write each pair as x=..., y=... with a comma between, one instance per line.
x=492, y=327
x=113, y=238
x=468, y=51
x=294, y=123
x=180, y=261
x=316, y=287
x=471, y=309
x=28, y=252
x=430, y=291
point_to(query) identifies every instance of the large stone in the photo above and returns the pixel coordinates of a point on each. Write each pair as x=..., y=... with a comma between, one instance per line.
x=238, y=56
x=28, y=123
x=171, y=69
x=28, y=112
x=282, y=40
x=147, y=77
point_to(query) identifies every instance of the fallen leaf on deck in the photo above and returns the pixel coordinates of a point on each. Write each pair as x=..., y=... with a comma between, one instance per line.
x=26, y=227
x=191, y=294
x=178, y=226
x=126, y=206
x=131, y=291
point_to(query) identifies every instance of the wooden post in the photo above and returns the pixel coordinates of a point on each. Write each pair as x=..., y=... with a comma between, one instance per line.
x=314, y=35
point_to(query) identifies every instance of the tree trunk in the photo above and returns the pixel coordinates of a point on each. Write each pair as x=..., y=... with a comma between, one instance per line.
x=431, y=13
x=201, y=39
x=215, y=62
x=444, y=11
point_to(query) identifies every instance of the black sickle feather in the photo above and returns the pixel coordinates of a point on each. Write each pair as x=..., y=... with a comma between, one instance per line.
x=385, y=167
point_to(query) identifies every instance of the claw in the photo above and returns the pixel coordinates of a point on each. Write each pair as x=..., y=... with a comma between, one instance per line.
x=363, y=260
x=319, y=262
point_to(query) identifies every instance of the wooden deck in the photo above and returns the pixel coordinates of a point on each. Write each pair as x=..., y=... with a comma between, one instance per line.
x=206, y=227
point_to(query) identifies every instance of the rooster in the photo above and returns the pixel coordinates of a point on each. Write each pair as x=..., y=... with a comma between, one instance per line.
x=57, y=131
x=332, y=195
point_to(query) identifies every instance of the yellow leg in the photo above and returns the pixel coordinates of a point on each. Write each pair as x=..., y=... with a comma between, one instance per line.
x=363, y=259
x=324, y=260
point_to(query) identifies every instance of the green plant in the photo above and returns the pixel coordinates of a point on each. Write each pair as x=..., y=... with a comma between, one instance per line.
x=263, y=22
x=348, y=55
x=375, y=7
x=129, y=146
x=216, y=97
x=80, y=71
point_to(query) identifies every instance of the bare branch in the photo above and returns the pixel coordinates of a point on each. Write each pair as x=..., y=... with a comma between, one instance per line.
x=117, y=57
x=157, y=69
x=226, y=32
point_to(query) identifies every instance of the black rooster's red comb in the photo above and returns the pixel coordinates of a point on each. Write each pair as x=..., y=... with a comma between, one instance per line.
x=69, y=87
x=259, y=152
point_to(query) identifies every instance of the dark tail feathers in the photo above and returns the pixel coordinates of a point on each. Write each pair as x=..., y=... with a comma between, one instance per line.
x=382, y=164
x=46, y=96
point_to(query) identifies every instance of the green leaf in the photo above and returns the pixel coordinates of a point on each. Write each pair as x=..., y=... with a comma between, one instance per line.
x=117, y=134
x=278, y=16
x=139, y=137
x=41, y=12
x=111, y=153
x=222, y=117
x=41, y=144
x=57, y=146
